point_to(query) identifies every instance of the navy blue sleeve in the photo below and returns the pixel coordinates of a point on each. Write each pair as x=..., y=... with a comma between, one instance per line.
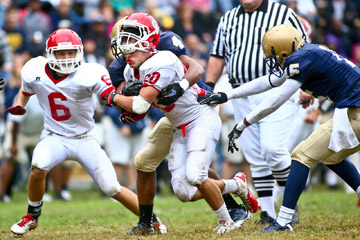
x=202, y=84
x=116, y=71
x=172, y=42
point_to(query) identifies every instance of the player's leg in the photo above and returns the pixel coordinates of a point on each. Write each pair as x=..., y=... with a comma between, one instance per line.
x=305, y=155
x=49, y=152
x=146, y=162
x=346, y=169
x=263, y=180
x=202, y=137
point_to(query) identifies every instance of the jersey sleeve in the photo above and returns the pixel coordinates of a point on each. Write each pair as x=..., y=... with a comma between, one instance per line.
x=116, y=70
x=103, y=83
x=172, y=42
x=218, y=48
x=26, y=73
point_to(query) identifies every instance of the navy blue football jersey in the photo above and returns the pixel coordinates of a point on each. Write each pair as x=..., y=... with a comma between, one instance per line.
x=325, y=75
x=168, y=41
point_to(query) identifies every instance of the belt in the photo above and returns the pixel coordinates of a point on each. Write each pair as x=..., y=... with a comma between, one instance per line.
x=182, y=127
x=80, y=136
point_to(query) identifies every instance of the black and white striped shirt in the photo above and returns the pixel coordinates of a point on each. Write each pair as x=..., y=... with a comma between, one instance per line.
x=239, y=35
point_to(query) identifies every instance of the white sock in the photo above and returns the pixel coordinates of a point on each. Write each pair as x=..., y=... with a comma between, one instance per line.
x=358, y=191
x=231, y=186
x=222, y=213
x=34, y=204
x=285, y=216
x=267, y=204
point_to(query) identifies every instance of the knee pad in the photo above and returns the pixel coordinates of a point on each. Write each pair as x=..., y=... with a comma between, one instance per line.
x=198, y=171
x=107, y=182
x=182, y=189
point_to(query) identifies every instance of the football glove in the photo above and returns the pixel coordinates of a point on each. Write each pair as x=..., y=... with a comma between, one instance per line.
x=132, y=89
x=214, y=98
x=233, y=135
x=130, y=117
x=170, y=94
x=109, y=99
x=16, y=110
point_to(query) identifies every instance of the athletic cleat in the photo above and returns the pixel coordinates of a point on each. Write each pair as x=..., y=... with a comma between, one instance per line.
x=159, y=227
x=27, y=223
x=239, y=215
x=142, y=230
x=244, y=193
x=276, y=227
x=265, y=218
x=225, y=227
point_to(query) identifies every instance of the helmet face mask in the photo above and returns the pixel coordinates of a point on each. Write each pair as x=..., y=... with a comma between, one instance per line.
x=114, y=49
x=278, y=44
x=64, y=39
x=139, y=31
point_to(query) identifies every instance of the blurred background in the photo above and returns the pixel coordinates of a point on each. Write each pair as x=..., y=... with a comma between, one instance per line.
x=26, y=25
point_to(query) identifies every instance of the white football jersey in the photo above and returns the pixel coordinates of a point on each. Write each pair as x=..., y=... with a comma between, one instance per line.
x=161, y=70
x=67, y=102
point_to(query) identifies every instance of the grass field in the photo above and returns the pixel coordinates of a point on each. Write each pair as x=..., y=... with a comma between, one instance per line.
x=323, y=215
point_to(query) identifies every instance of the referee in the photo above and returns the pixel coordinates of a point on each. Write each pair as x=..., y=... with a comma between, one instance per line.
x=237, y=45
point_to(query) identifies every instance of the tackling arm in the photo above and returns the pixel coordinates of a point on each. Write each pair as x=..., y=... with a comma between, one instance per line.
x=173, y=92
x=270, y=104
x=265, y=108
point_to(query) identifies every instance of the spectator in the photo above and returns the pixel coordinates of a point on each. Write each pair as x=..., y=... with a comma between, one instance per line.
x=15, y=34
x=6, y=56
x=64, y=12
x=36, y=25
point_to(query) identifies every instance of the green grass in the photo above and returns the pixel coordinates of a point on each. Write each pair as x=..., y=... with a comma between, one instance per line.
x=323, y=215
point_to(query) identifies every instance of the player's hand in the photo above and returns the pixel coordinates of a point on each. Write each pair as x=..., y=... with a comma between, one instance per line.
x=16, y=110
x=214, y=98
x=110, y=99
x=130, y=117
x=2, y=82
x=233, y=135
x=170, y=94
x=132, y=89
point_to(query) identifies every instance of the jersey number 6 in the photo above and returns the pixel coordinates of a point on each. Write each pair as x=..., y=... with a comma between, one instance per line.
x=57, y=108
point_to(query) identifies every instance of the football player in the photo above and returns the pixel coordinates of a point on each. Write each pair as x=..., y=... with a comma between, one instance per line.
x=161, y=136
x=194, y=136
x=64, y=86
x=324, y=74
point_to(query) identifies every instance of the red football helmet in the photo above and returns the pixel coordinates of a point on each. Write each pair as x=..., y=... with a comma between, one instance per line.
x=64, y=39
x=143, y=28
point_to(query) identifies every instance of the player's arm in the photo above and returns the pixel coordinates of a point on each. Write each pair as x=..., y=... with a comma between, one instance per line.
x=138, y=104
x=173, y=92
x=21, y=102
x=214, y=70
x=255, y=86
x=265, y=108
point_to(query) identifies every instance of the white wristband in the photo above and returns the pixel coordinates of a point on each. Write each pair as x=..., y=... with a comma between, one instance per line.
x=184, y=84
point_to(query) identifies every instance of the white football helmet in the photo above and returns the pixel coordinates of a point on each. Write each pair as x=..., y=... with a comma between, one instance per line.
x=143, y=28
x=64, y=39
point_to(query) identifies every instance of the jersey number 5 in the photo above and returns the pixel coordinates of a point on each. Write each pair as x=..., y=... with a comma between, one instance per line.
x=58, y=112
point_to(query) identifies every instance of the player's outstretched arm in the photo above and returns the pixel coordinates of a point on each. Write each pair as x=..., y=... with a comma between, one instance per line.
x=21, y=102
x=171, y=93
x=255, y=86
